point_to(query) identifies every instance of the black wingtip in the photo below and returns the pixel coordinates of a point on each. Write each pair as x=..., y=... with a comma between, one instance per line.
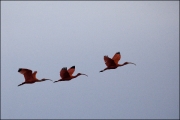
x=64, y=68
x=118, y=53
x=73, y=67
x=19, y=69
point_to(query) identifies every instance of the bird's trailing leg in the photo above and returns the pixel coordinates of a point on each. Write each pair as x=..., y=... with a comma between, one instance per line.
x=103, y=70
x=57, y=81
x=21, y=84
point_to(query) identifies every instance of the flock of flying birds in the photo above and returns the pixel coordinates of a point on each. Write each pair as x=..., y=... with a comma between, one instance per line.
x=66, y=75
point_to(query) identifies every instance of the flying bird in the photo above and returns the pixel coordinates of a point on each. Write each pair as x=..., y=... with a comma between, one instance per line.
x=113, y=63
x=29, y=76
x=66, y=75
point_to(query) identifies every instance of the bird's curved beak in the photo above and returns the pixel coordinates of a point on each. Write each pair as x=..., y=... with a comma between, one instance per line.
x=56, y=81
x=133, y=63
x=84, y=74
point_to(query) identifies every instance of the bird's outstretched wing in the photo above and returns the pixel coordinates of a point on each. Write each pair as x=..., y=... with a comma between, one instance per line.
x=34, y=75
x=116, y=57
x=64, y=73
x=71, y=70
x=27, y=73
x=108, y=61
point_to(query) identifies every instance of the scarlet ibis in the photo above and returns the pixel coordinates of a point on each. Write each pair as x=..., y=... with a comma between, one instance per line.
x=29, y=76
x=66, y=75
x=113, y=63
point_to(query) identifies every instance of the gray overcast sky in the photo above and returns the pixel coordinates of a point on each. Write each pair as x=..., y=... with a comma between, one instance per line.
x=46, y=36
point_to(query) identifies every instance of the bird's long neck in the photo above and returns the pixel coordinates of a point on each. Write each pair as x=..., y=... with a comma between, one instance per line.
x=119, y=65
x=125, y=63
x=76, y=76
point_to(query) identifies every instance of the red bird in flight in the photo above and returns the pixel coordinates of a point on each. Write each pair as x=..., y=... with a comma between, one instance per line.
x=113, y=63
x=66, y=75
x=29, y=76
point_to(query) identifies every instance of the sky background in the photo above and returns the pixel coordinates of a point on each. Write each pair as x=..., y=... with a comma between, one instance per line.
x=46, y=36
